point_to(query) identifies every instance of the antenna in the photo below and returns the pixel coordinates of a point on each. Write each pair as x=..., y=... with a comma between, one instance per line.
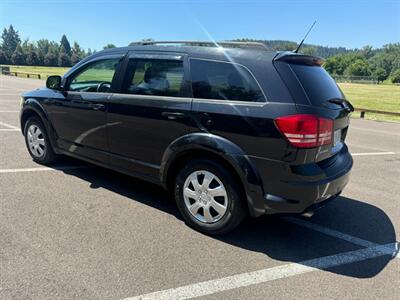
x=302, y=41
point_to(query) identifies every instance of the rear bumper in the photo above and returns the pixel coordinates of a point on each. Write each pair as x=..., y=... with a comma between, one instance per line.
x=310, y=196
x=298, y=189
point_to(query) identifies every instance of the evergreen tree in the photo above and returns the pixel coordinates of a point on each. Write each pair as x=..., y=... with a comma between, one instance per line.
x=77, y=53
x=3, y=57
x=42, y=47
x=63, y=59
x=65, y=46
x=10, y=39
x=31, y=57
x=51, y=58
x=17, y=58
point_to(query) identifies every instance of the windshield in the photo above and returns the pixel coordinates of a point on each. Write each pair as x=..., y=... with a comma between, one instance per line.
x=317, y=83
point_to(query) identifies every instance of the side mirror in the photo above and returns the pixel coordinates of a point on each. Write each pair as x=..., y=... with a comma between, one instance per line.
x=53, y=82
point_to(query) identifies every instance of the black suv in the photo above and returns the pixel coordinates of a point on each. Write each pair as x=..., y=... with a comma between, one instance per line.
x=231, y=129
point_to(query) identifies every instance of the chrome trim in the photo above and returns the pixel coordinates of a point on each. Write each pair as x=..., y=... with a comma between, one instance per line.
x=139, y=97
x=136, y=55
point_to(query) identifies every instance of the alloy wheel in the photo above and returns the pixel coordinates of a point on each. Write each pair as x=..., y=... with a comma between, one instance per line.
x=205, y=196
x=36, y=141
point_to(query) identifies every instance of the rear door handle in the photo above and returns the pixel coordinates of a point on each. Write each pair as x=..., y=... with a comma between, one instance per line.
x=97, y=106
x=206, y=121
x=172, y=115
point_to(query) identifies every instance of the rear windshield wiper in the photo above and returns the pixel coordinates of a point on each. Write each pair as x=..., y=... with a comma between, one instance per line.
x=343, y=103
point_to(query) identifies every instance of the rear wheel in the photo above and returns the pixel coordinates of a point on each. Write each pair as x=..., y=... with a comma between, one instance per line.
x=37, y=142
x=209, y=198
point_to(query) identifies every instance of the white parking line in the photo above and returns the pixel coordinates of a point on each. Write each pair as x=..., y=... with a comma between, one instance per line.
x=9, y=129
x=392, y=133
x=9, y=111
x=269, y=274
x=373, y=153
x=8, y=125
x=42, y=169
x=330, y=232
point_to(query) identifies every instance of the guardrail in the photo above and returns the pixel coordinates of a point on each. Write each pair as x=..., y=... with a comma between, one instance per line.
x=28, y=75
x=365, y=110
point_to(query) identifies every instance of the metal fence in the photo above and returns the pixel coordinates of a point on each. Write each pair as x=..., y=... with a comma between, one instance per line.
x=356, y=79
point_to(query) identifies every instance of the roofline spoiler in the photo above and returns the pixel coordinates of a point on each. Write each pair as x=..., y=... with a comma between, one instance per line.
x=302, y=59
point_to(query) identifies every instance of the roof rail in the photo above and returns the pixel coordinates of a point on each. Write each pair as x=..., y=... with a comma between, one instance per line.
x=204, y=43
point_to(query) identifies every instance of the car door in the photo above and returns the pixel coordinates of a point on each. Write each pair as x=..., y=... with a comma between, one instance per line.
x=150, y=111
x=79, y=117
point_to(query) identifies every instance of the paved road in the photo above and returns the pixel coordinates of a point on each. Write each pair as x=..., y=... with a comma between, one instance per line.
x=89, y=233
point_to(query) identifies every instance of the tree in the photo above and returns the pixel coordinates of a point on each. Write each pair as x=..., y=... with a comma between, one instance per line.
x=395, y=77
x=10, y=40
x=42, y=47
x=63, y=59
x=64, y=45
x=50, y=59
x=109, y=46
x=31, y=57
x=17, y=58
x=25, y=49
x=380, y=74
x=367, y=51
x=3, y=57
x=77, y=53
x=310, y=51
x=358, y=68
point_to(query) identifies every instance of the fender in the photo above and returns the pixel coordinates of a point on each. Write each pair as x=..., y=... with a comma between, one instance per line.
x=33, y=105
x=226, y=150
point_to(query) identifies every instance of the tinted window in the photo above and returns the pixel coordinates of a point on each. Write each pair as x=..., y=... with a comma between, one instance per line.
x=153, y=77
x=96, y=77
x=223, y=81
x=317, y=83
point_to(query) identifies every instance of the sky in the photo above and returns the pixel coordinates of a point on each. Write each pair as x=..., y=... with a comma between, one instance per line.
x=95, y=23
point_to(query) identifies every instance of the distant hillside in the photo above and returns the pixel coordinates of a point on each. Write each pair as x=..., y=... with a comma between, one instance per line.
x=281, y=45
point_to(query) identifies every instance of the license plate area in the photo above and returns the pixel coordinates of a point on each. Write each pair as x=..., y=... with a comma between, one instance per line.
x=337, y=137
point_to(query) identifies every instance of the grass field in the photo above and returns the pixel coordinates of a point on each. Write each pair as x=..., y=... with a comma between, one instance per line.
x=43, y=71
x=372, y=96
x=369, y=96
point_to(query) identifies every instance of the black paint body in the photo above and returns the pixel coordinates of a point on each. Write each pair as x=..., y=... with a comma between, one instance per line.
x=144, y=136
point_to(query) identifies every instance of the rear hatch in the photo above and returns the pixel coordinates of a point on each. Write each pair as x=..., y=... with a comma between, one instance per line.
x=317, y=95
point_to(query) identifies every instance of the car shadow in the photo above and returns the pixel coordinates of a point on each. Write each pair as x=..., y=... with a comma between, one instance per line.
x=274, y=236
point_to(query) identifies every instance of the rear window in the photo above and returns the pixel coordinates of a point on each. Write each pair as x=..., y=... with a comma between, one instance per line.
x=223, y=81
x=318, y=84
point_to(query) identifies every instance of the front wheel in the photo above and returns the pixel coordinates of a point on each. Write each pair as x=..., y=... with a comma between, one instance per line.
x=209, y=198
x=37, y=142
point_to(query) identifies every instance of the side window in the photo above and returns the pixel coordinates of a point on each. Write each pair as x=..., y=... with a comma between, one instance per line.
x=96, y=77
x=223, y=81
x=153, y=77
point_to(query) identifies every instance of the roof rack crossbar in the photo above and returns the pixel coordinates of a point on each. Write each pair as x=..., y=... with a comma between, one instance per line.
x=204, y=43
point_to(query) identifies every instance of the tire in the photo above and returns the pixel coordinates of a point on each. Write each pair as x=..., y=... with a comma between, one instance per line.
x=37, y=141
x=207, y=216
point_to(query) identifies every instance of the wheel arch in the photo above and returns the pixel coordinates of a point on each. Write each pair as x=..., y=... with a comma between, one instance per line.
x=33, y=108
x=231, y=156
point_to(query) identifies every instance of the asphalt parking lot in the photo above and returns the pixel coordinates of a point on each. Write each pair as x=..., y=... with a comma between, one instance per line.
x=75, y=231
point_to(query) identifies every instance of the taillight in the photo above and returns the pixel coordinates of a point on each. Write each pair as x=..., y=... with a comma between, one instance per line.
x=306, y=131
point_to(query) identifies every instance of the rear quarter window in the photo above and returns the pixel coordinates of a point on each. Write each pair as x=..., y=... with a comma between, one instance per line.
x=317, y=83
x=223, y=81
